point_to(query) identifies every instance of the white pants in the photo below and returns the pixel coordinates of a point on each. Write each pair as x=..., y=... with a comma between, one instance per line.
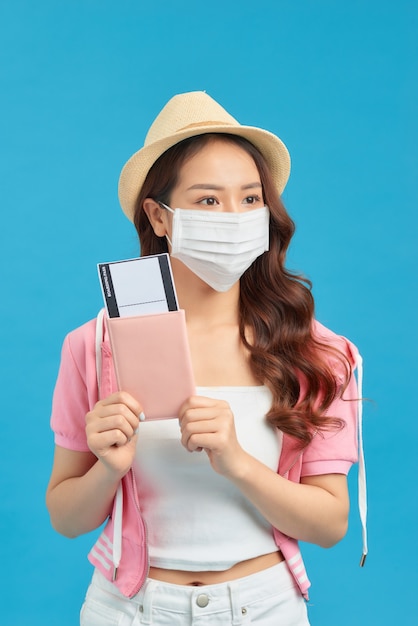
x=267, y=598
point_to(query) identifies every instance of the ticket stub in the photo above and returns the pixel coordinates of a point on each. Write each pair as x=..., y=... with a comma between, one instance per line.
x=139, y=286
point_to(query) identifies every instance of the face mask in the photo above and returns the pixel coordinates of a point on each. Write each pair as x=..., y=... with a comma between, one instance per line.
x=217, y=246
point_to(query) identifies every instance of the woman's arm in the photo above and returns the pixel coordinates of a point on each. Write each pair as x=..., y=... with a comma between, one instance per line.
x=80, y=492
x=83, y=484
x=316, y=510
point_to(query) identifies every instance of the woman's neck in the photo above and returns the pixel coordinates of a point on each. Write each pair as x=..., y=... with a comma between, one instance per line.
x=203, y=305
x=218, y=355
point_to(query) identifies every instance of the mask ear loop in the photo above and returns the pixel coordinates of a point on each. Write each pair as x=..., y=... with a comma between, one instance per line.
x=167, y=208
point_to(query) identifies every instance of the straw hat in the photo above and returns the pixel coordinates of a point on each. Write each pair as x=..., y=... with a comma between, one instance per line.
x=187, y=115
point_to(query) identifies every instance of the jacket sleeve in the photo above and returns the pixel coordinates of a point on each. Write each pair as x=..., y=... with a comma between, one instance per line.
x=334, y=451
x=75, y=390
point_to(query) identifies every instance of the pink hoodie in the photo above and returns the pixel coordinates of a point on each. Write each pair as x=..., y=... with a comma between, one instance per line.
x=120, y=552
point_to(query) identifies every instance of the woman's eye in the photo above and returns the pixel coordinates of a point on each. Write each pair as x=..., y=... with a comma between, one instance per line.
x=252, y=199
x=209, y=201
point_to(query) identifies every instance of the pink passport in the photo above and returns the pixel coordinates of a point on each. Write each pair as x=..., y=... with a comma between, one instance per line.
x=152, y=361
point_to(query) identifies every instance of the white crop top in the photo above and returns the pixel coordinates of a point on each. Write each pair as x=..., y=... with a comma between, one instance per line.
x=196, y=519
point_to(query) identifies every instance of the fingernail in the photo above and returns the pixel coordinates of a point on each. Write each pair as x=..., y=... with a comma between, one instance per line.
x=141, y=416
x=136, y=431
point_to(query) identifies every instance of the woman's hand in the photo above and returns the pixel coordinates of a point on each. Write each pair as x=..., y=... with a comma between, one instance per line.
x=208, y=424
x=111, y=429
x=315, y=511
x=83, y=484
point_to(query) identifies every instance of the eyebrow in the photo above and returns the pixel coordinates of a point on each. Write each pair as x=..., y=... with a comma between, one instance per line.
x=256, y=185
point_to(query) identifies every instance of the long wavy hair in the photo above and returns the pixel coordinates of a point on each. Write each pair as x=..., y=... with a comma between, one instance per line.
x=276, y=307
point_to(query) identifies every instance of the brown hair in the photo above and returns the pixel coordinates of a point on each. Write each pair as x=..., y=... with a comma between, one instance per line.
x=276, y=305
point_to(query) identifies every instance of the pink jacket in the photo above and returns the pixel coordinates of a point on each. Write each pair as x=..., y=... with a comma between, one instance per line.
x=120, y=552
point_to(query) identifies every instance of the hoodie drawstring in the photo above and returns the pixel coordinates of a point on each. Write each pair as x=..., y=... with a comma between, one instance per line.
x=117, y=530
x=98, y=346
x=117, y=516
x=362, y=486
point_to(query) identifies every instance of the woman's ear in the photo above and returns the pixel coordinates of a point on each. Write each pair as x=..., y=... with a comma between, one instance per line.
x=157, y=217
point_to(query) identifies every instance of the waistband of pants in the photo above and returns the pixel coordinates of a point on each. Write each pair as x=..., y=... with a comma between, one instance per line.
x=233, y=595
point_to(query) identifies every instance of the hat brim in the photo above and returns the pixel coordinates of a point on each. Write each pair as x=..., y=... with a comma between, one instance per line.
x=137, y=167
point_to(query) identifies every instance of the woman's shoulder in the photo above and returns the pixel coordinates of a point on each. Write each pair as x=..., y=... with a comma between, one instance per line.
x=340, y=342
x=83, y=334
x=81, y=341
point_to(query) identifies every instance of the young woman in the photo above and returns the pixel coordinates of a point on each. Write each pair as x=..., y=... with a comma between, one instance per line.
x=204, y=512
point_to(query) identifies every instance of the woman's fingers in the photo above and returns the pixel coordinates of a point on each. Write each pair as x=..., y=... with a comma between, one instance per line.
x=191, y=432
x=208, y=424
x=122, y=399
x=112, y=423
x=101, y=443
x=112, y=416
x=126, y=426
x=205, y=421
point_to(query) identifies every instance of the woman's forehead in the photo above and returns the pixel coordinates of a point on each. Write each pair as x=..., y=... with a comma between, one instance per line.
x=219, y=163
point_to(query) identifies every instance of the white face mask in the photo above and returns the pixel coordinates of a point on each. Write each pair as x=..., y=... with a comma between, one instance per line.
x=218, y=246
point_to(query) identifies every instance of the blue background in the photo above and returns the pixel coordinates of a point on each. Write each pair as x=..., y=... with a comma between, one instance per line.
x=80, y=83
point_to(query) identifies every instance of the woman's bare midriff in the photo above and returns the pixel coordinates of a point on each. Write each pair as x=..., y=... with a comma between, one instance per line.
x=197, y=579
